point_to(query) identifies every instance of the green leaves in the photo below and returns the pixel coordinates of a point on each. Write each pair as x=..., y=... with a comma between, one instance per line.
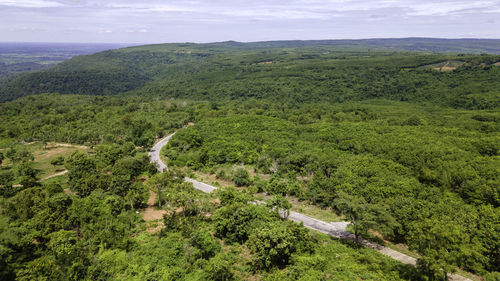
x=205, y=243
x=235, y=222
x=272, y=245
x=439, y=243
x=364, y=216
x=241, y=177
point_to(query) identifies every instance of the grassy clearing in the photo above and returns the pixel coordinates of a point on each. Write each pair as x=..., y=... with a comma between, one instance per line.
x=468, y=275
x=324, y=214
x=43, y=157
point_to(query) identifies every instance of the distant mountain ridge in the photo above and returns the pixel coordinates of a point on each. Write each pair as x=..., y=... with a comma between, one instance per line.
x=422, y=44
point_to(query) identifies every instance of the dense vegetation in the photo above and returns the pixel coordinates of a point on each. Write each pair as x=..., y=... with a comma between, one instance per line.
x=277, y=70
x=85, y=225
x=403, y=145
x=426, y=165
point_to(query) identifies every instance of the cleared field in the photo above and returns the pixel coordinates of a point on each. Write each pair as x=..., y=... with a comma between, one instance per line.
x=44, y=155
x=445, y=65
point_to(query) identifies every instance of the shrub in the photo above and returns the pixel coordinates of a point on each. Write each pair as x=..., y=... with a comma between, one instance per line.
x=241, y=177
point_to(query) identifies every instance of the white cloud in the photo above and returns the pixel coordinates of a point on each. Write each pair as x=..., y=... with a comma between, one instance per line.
x=30, y=3
x=445, y=8
x=212, y=20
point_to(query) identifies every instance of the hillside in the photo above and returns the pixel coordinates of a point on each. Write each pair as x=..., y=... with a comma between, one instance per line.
x=287, y=71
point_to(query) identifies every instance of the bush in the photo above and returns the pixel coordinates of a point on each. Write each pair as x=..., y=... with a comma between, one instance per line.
x=272, y=245
x=236, y=222
x=58, y=161
x=492, y=276
x=277, y=186
x=205, y=243
x=221, y=175
x=241, y=177
x=219, y=268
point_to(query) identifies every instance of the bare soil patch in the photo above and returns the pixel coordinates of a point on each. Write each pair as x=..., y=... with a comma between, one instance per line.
x=57, y=144
x=69, y=192
x=151, y=213
x=447, y=68
x=55, y=175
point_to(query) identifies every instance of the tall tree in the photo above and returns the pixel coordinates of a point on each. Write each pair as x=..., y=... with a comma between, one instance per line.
x=364, y=216
x=439, y=243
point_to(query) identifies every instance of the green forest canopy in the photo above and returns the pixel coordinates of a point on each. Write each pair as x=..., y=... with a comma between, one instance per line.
x=320, y=124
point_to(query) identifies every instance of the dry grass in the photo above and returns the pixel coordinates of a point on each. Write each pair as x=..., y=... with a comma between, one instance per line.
x=69, y=192
x=446, y=68
x=59, y=144
x=212, y=179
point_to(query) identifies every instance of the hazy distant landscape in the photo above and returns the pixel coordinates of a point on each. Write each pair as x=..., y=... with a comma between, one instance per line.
x=23, y=57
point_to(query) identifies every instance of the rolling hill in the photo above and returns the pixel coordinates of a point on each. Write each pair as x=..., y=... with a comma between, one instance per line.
x=285, y=71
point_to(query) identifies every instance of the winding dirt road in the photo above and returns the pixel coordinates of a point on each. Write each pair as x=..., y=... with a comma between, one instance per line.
x=335, y=229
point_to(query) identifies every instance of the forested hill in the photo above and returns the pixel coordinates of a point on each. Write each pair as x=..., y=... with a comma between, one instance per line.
x=434, y=45
x=285, y=71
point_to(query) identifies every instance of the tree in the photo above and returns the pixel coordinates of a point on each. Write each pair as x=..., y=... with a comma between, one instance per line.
x=364, y=216
x=136, y=195
x=161, y=181
x=27, y=174
x=2, y=157
x=82, y=173
x=272, y=245
x=205, y=243
x=280, y=205
x=439, y=243
x=12, y=250
x=6, y=179
x=235, y=222
x=19, y=155
x=128, y=166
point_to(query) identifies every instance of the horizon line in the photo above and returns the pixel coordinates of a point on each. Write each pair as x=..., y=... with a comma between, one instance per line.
x=243, y=42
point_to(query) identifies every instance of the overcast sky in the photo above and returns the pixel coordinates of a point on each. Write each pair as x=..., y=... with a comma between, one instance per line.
x=155, y=21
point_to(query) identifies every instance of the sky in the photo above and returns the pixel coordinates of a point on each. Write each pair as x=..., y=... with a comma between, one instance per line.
x=164, y=21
